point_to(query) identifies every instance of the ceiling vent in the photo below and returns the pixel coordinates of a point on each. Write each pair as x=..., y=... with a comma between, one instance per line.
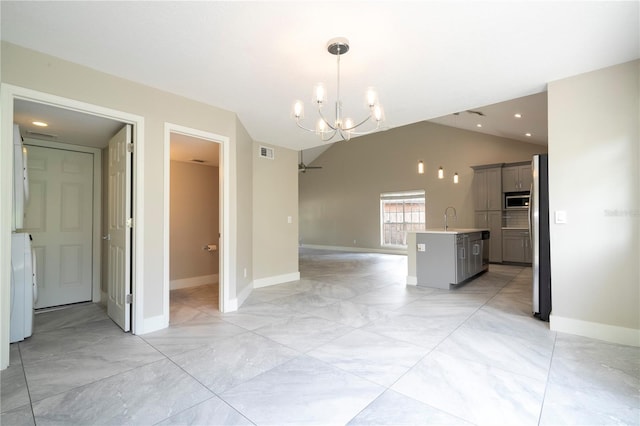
x=266, y=152
x=41, y=135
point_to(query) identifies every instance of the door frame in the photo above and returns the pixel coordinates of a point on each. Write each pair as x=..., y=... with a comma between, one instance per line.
x=225, y=303
x=9, y=93
x=96, y=228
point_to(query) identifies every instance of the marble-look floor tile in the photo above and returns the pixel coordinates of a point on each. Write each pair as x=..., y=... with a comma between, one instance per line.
x=256, y=315
x=301, y=392
x=392, y=408
x=387, y=298
x=213, y=411
x=509, y=353
x=191, y=335
x=303, y=332
x=21, y=416
x=416, y=330
x=14, y=392
x=229, y=362
x=54, y=343
x=571, y=405
x=524, y=327
x=473, y=391
x=350, y=314
x=69, y=370
x=145, y=395
x=302, y=302
x=181, y=313
x=68, y=316
x=371, y=356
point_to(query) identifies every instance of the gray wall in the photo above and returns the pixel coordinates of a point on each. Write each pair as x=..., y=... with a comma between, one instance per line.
x=341, y=202
x=275, y=199
x=594, y=163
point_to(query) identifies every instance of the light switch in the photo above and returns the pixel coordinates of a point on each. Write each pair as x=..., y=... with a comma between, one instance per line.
x=289, y=219
x=422, y=247
x=561, y=216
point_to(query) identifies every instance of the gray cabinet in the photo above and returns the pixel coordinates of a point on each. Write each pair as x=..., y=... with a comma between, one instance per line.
x=487, y=196
x=487, y=188
x=447, y=258
x=516, y=246
x=516, y=178
x=492, y=220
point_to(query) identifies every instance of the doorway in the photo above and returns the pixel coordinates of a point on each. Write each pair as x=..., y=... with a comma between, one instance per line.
x=194, y=215
x=196, y=162
x=9, y=96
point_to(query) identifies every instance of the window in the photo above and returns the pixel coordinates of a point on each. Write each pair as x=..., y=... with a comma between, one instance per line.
x=400, y=212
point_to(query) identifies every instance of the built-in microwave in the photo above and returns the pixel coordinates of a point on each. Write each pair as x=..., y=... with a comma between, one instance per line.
x=517, y=200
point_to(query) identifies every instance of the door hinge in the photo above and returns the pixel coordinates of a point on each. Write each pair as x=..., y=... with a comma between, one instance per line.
x=130, y=222
x=128, y=299
x=130, y=147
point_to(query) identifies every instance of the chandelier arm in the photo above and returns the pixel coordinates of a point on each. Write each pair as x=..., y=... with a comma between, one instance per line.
x=325, y=120
x=358, y=125
x=366, y=132
x=326, y=139
x=304, y=128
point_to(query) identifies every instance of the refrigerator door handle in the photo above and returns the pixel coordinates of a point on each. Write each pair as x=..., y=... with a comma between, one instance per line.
x=529, y=213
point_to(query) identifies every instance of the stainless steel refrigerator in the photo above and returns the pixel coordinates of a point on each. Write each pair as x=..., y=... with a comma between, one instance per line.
x=539, y=234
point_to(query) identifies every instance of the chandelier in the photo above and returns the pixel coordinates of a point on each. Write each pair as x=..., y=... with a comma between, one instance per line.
x=344, y=127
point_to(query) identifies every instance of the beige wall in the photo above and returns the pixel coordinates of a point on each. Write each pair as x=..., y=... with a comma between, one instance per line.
x=341, y=202
x=194, y=219
x=275, y=199
x=29, y=69
x=594, y=163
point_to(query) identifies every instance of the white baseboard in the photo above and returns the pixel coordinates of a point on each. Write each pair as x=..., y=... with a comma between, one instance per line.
x=412, y=280
x=243, y=295
x=193, y=281
x=276, y=279
x=153, y=324
x=356, y=249
x=594, y=330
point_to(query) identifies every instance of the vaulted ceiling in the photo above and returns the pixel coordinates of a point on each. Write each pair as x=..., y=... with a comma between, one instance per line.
x=427, y=59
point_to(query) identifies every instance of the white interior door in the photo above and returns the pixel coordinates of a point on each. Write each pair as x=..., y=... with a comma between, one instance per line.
x=119, y=229
x=60, y=220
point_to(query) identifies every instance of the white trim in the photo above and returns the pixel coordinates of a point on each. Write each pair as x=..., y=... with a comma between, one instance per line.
x=225, y=303
x=276, y=279
x=96, y=260
x=8, y=93
x=152, y=324
x=243, y=296
x=595, y=330
x=412, y=280
x=355, y=249
x=194, y=281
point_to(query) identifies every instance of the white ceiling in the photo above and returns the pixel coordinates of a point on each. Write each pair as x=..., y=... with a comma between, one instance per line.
x=428, y=59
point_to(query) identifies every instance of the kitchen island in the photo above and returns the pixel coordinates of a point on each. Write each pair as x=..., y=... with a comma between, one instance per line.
x=442, y=259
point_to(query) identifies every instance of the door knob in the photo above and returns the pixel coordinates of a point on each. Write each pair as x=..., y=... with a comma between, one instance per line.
x=106, y=237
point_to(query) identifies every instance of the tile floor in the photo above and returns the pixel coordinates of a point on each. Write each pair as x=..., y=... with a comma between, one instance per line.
x=347, y=344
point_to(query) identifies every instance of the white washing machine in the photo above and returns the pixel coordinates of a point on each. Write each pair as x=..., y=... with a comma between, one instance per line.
x=24, y=290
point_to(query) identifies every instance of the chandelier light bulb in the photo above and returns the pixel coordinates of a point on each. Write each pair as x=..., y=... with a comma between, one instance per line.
x=440, y=173
x=321, y=126
x=420, y=167
x=372, y=97
x=319, y=94
x=348, y=124
x=455, y=177
x=298, y=109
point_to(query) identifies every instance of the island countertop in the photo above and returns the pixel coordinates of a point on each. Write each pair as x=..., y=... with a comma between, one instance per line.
x=452, y=231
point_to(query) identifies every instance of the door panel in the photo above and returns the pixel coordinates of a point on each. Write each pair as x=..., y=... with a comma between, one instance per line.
x=119, y=236
x=60, y=218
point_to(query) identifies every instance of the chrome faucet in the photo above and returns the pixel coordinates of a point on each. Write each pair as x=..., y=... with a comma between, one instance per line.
x=455, y=216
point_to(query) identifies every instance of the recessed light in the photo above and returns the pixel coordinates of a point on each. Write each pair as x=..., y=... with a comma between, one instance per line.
x=478, y=125
x=39, y=123
x=517, y=115
x=528, y=135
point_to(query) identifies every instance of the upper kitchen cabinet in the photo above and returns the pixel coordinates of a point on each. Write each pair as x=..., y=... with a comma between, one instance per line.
x=487, y=187
x=517, y=177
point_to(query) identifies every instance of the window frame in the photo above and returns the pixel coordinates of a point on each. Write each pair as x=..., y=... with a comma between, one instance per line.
x=402, y=196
